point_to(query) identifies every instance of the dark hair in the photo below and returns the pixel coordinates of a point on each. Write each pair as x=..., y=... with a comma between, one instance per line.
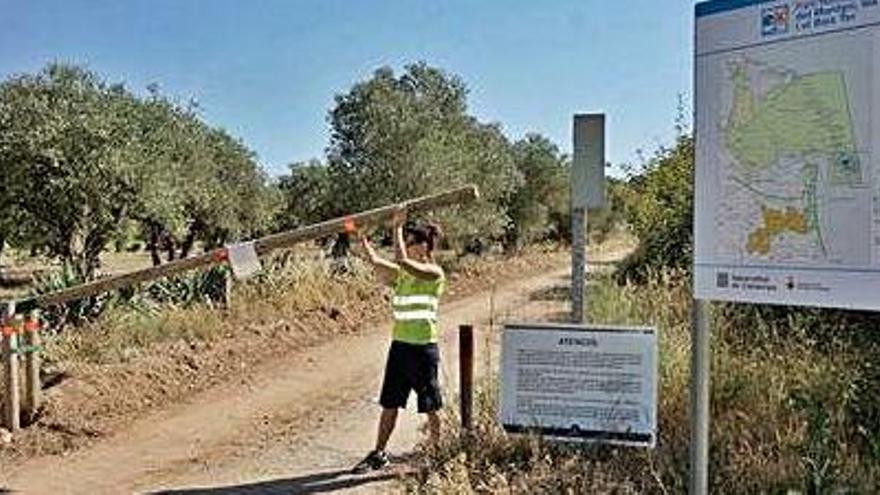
x=428, y=234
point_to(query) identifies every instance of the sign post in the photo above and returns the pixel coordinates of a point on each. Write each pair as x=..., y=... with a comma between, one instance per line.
x=587, y=191
x=787, y=181
x=578, y=263
x=700, y=372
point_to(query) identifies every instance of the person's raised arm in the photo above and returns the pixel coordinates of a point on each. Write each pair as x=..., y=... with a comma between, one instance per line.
x=387, y=271
x=419, y=270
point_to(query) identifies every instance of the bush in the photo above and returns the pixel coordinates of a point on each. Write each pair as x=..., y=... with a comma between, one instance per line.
x=199, y=287
x=202, y=287
x=658, y=205
x=541, y=201
x=73, y=312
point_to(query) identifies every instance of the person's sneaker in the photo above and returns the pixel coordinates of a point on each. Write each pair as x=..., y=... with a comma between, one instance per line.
x=376, y=459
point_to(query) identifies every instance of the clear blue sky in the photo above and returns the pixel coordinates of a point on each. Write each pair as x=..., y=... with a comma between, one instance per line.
x=267, y=70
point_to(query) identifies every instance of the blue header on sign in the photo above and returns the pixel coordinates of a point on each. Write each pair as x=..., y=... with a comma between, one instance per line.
x=718, y=6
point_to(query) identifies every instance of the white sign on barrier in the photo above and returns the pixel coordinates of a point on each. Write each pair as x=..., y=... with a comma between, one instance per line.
x=244, y=260
x=787, y=170
x=580, y=383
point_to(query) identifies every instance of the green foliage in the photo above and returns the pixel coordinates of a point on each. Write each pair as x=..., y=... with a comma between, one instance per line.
x=605, y=221
x=832, y=331
x=195, y=183
x=73, y=312
x=202, y=287
x=307, y=195
x=538, y=207
x=62, y=132
x=397, y=137
x=659, y=209
x=81, y=158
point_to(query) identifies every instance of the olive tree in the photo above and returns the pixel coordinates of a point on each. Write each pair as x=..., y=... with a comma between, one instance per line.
x=399, y=136
x=63, y=135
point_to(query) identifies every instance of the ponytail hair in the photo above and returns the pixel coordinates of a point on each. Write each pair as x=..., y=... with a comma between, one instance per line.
x=435, y=233
x=429, y=233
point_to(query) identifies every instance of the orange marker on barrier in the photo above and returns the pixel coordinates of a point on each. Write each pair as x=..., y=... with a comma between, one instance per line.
x=349, y=225
x=18, y=324
x=7, y=330
x=221, y=255
x=32, y=325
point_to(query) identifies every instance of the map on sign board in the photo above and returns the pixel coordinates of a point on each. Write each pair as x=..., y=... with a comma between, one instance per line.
x=788, y=197
x=580, y=383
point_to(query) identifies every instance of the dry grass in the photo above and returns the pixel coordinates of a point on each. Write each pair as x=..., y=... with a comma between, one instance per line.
x=290, y=288
x=780, y=419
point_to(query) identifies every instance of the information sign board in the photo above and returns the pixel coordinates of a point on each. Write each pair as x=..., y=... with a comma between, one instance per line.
x=787, y=189
x=580, y=383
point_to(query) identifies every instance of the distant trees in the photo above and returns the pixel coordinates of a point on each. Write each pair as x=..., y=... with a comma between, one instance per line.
x=395, y=137
x=307, y=192
x=82, y=159
x=87, y=163
x=63, y=132
x=539, y=206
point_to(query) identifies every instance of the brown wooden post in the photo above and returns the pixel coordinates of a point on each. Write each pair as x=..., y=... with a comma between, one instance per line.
x=466, y=375
x=32, y=385
x=12, y=407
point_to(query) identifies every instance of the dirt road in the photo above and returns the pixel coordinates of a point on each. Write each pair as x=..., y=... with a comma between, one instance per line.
x=293, y=426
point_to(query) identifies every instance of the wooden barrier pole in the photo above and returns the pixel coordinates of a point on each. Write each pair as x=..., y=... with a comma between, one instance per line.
x=32, y=385
x=12, y=407
x=466, y=375
x=262, y=246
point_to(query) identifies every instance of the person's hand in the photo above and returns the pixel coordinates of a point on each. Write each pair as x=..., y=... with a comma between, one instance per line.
x=398, y=217
x=367, y=247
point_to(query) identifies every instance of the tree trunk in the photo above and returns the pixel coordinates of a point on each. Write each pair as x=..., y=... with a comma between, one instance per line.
x=190, y=240
x=153, y=245
x=170, y=247
x=91, y=255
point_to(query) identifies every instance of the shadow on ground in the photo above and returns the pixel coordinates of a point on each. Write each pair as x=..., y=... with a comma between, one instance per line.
x=313, y=483
x=554, y=293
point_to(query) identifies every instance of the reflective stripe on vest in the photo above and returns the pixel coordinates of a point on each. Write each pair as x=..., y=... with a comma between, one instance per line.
x=430, y=301
x=415, y=315
x=415, y=306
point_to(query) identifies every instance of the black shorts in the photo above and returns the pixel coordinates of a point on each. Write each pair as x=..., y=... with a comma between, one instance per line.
x=412, y=367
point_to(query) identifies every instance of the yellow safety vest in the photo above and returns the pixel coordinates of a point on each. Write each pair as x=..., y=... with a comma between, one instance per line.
x=415, y=305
